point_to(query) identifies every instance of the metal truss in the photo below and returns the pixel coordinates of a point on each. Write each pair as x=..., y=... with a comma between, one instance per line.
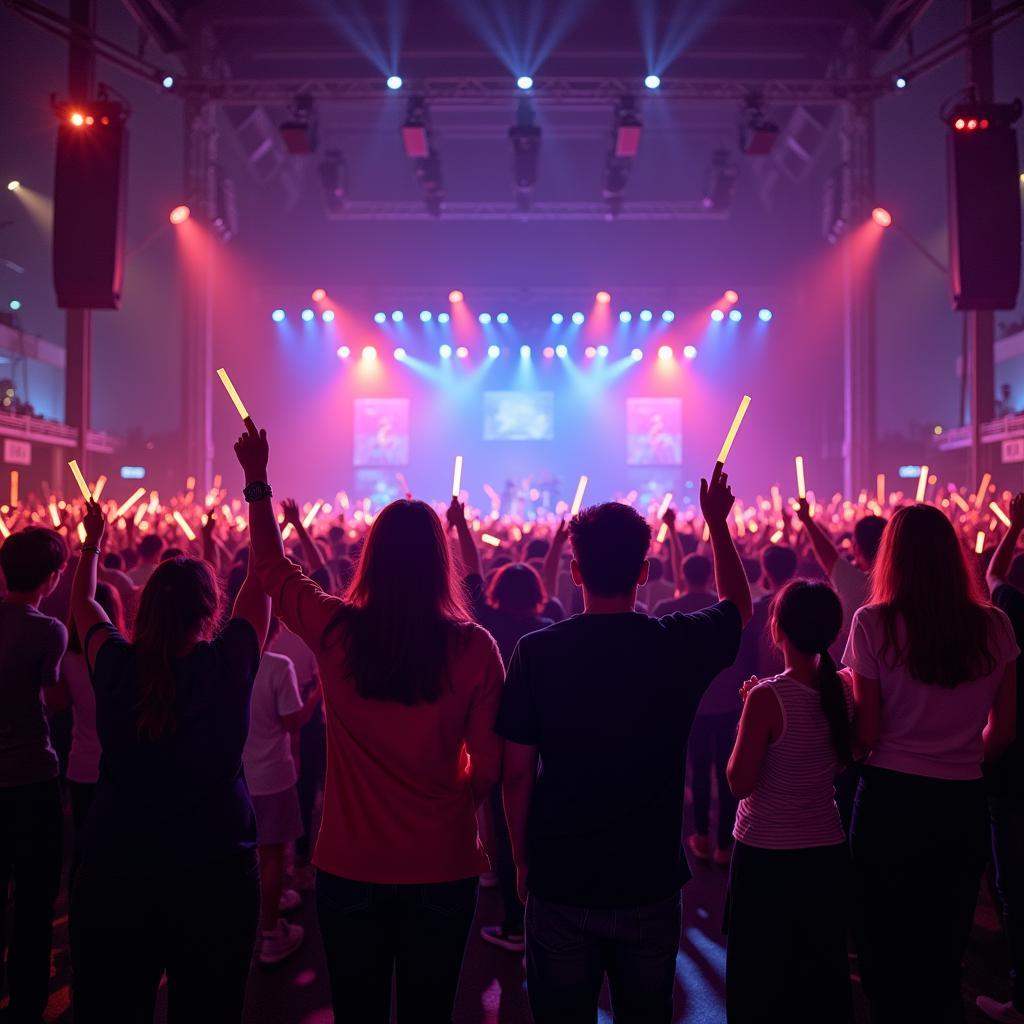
x=404, y=210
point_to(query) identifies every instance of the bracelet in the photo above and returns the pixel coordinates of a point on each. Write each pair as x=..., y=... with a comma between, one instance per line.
x=92, y=549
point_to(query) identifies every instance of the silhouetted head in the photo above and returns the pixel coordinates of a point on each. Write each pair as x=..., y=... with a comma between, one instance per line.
x=33, y=559
x=609, y=544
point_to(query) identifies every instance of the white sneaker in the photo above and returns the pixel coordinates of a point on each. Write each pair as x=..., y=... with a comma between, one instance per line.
x=281, y=942
x=290, y=900
x=1003, y=1012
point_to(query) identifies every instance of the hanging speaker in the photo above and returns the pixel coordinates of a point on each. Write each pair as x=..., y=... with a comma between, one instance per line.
x=89, y=206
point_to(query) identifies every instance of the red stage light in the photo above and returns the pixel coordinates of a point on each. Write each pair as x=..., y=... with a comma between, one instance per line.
x=90, y=119
x=104, y=119
x=959, y=124
x=731, y=296
x=77, y=119
x=590, y=351
x=455, y=295
x=603, y=297
x=549, y=352
x=972, y=123
x=319, y=295
x=983, y=123
x=881, y=216
x=179, y=214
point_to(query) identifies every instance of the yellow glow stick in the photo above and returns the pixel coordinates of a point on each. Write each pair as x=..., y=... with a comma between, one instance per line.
x=140, y=515
x=82, y=485
x=14, y=487
x=663, y=533
x=81, y=533
x=801, y=486
x=488, y=538
x=922, y=483
x=731, y=436
x=457, y=477
x=880, y=488
x=100, y=484
x=190, y=483
x=958, y=500
x=54, y=515
x=130, y=502
x=776, y=537
x=183, y=523
x=4, y=532
x=999, y=513
x=979, y=542
x=311, y=514
x=706, y=535
x=343, y=499
x=982, y=494
x=665, y=502
x=577, y=502
x=232, y=393
x=287, y=531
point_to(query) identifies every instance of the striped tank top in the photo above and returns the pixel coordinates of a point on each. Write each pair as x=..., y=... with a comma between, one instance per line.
x=793, y=805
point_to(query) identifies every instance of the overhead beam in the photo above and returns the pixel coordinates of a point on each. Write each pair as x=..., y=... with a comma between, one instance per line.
x=388, y=210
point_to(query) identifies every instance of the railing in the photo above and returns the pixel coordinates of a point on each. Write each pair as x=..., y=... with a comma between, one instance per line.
x=30, y=428
x=1006, y=428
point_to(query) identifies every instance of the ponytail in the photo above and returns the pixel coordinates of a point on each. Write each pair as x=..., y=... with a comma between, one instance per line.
x=833, y=703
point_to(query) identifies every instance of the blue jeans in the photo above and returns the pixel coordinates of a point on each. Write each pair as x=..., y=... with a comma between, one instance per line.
x=416, y=932
x=570, y=949
x=1007, y=816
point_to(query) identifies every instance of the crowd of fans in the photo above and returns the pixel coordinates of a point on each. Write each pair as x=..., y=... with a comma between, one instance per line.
x=399, y=705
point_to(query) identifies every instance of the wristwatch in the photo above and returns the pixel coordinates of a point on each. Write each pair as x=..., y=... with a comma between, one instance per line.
x=257, y=490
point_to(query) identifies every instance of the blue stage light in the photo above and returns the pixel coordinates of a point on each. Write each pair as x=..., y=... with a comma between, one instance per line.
x=625, y=316
x=602, y=351
x=764, y=315
x=493, y=351
x=397, y=316
x=646, y=315
x=379, y=318
x=652, y=81
x=735, y=316
x=445, y=351
x=690, y=351
x=524, y=351
x=557, y=318
x=636, y=355
x=484, y=318
x=277, y=316
x=578, y=318
x=502, y=318
x=307, y=315
x=668, y=316
x=443, y=318
x=901, y=82
x=400, y=354
x=561, y=351
x=327, y=316
x=524, y=82
x=394, y=82
x=167, y=81
x=717, y=315
x=425, y=316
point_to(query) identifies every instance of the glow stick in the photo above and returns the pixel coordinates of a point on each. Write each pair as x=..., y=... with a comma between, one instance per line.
x=457, y=477
x=982, y=490
x=731, y=436
x=81, y=533
x=776, y=537
x=665, y=502
x=130, y=502
x=999, y=513
x=100, y=484
x=776, y=498
x=663, y=533
x=577, y=502
x=311, y=514
x=488, y=538
x=232, y=393
x=343, y=499
x=140, y=515
x=979, y=542
x=958, y=500
x=82, y=485
x=4, y=532
x=190, y=483
x=801, y=486
x=706, y=535
x=286, y=532
x=14, y=487
x=922, y=483
x=880, y=488
x=217, y=481
x=183, y=523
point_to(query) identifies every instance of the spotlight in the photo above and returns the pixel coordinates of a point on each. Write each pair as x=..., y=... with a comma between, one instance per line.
x=636, y=355
x=277, y=316
x=668, y=316
x=179, y=214
x=493, y=351
x=462, y=352
x=15, y=305
x=369, y=354
x=524, y=82
x=690, y=351
x=578, y=318
x=484, y=318
x=717, y=315
x=625, y=316
x=764, y=315
x=731, y=295
x=524, y=351
x=379, y=318
x=603, y=297
x=735, y=316
x=561, y=351
x=652, y=81
x=646, y=315
x=13, y=186
x=557, y=318
x=77, y=120
x=443, y=318
x=344, y=352
x=455, y=295
x=901, y=82
x=168, y=81
x=602, y=351
x=665, y=352
x=425, y=316
x=549, y=352
x=502, y=318
x=327, y=316
x=394, y=83
x=397, y=316
x=319, y=294
x=881, y=216
x=590, y=351
x=400, y=354
x=445, y=351
x=307, y=315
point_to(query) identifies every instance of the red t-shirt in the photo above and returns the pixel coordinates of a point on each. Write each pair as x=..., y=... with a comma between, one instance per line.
x=398, y=806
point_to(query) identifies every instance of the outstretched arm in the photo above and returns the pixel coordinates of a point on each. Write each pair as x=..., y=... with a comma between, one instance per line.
x=85, y=609
x=553, y=559
x=675, y=547
x=999, y=567
x=824, y=550
x=314, y=557
x=456, y=516
x=715, y=502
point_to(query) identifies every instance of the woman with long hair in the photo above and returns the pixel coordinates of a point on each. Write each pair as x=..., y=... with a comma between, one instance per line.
x=411, y=689
x=789, y=878
x=167, y=880
x=933, y=684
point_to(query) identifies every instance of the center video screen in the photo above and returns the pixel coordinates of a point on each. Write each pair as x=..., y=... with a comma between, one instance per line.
x=381, y=432
x=654, y=433
x=519, y=415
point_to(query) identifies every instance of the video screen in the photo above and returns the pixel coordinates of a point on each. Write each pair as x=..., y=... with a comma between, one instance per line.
x=654, y=432
x=381, y=432
x=519, y=415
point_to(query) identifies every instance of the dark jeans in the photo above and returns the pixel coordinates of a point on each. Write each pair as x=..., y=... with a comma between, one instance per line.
x=81, y=794
x=711, y=742
x=31, y=849
x=1007, y=816
x=312, y=767
x=506, y=867
x=919, y=848
x=416, y=932
x=570, y=949
x=787, y=923
x=198, y=925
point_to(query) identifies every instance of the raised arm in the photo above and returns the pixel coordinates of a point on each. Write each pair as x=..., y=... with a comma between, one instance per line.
x=675, y=547
x=85, y=609
x=824, y=550
x=715, y=502
x=999, y=567
x=253, y=453
x=211, y=552
x=456, y=516
x=314, y=557
x=553, y=559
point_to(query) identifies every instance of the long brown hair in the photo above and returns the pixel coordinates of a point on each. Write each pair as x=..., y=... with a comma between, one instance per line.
x=178, y=603
x=922, y=580
x=405, y=608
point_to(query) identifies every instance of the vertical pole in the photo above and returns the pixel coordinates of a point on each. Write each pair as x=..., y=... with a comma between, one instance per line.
x=981, y=330
x=78, y=322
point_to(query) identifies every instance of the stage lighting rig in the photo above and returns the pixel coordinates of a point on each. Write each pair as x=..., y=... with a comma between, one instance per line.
x=626, y=130
x=299, y=132
x=334, y=181
x=721, y=182
x=418, y=145
x=525, y=136
x=757, y=133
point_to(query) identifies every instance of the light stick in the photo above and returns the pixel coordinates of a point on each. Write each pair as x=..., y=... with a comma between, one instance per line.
x=311, y=514
x=957, y=499
x=82, y=485
x=801, y=486
x=183, y=523
x=706, y=535
x=457, y=477
x=663, y=533
x=287, y=531
x=488, y=538
x=982, y=490
x=979, y=542
x=922, y=483
x=100, y=484
x=232, y=393
x=54, y=515
x=343, y=499
x=14, y=487
x=130, y=502
x=665, y=502
x=4, y=532
x=577, y=502
x=140, y=515
x=776, y=536
x=999, y=513
x=731, y=436
x=81, y=533
x=880, y=489
x=190, y=483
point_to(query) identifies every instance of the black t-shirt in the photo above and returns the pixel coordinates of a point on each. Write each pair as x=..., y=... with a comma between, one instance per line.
x=609, y=701
x=1005, y=775
x=180, y=800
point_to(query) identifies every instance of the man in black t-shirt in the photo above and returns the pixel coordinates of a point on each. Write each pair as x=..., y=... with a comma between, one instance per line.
x=603, y=702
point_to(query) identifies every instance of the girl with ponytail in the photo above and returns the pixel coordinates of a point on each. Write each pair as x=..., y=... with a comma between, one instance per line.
x=788, y=882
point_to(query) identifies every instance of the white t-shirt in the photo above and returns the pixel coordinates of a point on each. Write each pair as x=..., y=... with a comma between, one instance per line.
x=294, y=647
x=84, y=756
x=267, y=757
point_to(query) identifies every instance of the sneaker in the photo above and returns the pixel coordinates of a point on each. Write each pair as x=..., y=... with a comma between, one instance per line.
x=290, y=900
x=698, y=845
x=722, y=857
x=281, y=942
x=496, y=935
x=1004, y=1012
x=489, y=880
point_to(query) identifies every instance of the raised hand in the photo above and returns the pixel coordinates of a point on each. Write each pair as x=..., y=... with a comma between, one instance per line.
x=210, y=524
x=1017, y=512
x=803, y=510
x=716, y=497
x=747, y=687
x=669, y=518
x=95, y=523
x=561, y=534
x=253, y=453
x=456, y=514
x=290, y=510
